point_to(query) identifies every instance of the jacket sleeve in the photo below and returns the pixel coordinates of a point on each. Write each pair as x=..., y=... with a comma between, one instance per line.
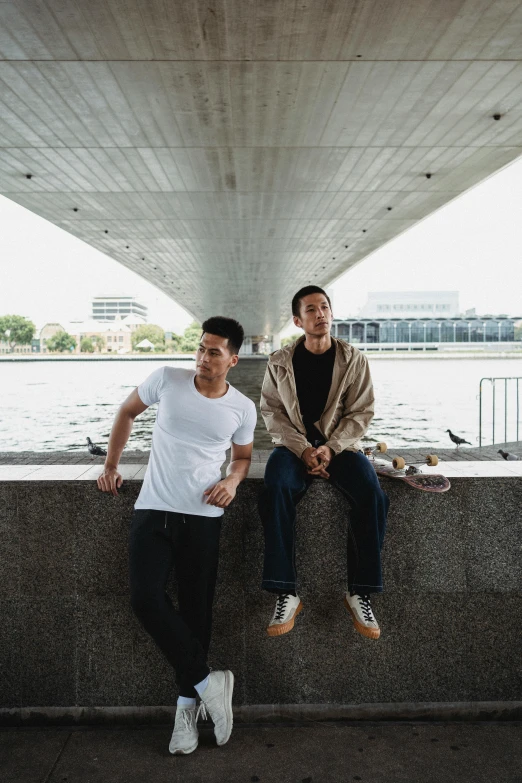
x=358, y=411
x=276, y=417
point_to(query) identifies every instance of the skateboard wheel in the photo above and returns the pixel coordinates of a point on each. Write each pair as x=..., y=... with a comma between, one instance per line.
x=382, y=448
x=398, y=463
x=432, y=460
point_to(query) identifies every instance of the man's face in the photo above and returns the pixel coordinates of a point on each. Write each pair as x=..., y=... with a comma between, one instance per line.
x=213, y=357
x=315, y=315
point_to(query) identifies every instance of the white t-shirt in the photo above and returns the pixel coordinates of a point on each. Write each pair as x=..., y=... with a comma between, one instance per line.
x=189, y=440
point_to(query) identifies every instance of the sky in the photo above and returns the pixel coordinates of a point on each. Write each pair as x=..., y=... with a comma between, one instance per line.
x=472, y=245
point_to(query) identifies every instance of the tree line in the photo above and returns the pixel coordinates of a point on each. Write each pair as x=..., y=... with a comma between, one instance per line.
x=18, y=330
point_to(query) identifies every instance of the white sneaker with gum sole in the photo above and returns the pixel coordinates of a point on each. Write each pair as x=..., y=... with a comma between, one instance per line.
x=362, y=615
x=286, y=610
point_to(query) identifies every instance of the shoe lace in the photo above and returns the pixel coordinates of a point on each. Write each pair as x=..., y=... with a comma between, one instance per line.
x=202, y=709
x=187, y=716
x=364, y=603
x=281, y=606
x=218, y=716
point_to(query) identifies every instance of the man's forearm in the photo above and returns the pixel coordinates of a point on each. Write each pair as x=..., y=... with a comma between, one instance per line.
x=121, y=430
x=238, y=469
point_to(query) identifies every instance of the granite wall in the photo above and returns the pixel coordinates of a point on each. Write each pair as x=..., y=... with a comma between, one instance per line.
x=450, y=616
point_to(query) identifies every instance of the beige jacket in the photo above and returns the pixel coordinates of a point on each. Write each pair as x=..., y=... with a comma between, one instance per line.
x=348, y=411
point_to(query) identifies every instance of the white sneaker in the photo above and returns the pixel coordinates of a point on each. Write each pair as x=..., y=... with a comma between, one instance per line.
x=185, y=735
x=286, y=610
x=217, y=699
x=363, y=618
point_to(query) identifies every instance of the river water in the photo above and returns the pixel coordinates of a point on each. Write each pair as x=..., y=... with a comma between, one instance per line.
x=54, y=406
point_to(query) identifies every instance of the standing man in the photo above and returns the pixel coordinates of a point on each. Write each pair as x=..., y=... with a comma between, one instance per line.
x=177, y=518
x=317, y=402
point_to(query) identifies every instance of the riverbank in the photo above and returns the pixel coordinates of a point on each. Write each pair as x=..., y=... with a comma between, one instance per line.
x=141, y=457
x=104, y=357
x=190, y=357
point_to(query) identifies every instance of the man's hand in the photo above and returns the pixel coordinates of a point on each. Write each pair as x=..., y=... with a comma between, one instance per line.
x=314, y=466
x=324, y=455
x=310, y=461
x=109, y=480
x=223, y=493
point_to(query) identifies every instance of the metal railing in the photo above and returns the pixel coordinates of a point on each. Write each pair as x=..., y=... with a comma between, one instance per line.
x=515, y=406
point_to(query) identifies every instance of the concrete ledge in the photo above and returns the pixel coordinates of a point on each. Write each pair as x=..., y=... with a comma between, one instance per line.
x=267, y=714
x=450, y=615
x=136, y=471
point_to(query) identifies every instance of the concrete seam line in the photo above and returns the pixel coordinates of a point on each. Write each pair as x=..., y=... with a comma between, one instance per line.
x=270, y=713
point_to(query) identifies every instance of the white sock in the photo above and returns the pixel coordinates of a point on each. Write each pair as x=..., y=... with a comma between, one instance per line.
x=184, y=701
x=200, y=687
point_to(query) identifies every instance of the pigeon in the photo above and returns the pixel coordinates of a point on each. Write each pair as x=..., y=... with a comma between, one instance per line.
x=457, y=440
x=95, y=450
x=508, y=456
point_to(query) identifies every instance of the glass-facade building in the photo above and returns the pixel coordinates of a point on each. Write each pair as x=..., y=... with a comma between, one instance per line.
x=410, y=331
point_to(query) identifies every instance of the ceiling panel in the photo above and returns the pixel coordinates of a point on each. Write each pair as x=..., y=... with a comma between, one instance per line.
x=231, y=151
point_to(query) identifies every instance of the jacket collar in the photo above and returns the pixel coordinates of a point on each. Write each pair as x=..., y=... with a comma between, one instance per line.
x=283, y=357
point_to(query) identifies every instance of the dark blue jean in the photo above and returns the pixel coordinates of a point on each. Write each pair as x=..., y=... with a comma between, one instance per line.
x=286, y=481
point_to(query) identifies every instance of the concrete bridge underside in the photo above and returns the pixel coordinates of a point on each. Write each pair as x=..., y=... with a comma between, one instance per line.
x=229, y=151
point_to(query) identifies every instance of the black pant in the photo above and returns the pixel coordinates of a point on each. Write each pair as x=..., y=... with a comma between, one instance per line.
x=160, y=541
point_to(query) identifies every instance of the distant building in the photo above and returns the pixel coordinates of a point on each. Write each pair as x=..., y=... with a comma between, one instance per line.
x=116, y=334
x=48, y=330
x=133, y=321
x=37, y=344
x=32, y=347
x=107, y=308
x=404, y=304
x=395, y=332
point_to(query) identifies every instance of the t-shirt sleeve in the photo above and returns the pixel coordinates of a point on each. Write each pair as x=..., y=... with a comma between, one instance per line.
x=150, y=390
x=245, y=432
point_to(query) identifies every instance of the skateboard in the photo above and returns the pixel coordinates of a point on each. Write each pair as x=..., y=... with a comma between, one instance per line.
x=410, y=474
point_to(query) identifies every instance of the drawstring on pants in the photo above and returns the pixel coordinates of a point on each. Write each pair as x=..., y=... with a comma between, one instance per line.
x=183, y=515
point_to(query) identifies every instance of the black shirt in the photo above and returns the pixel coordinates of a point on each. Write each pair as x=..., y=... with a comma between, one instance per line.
x=313, y=379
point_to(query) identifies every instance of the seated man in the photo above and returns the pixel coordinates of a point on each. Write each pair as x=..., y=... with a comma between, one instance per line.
x=317, y=402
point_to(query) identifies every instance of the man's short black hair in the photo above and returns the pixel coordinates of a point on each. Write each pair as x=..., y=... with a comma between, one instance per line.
x=306, y=291
x=225, y=327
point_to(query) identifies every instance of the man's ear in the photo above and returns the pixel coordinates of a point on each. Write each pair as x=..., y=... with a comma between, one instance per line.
x=297, y=322
x=234, y=360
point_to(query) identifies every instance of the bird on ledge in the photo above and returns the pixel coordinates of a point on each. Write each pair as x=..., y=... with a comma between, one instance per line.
x=457, y=440
x=508, y=456
x=95, y=450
